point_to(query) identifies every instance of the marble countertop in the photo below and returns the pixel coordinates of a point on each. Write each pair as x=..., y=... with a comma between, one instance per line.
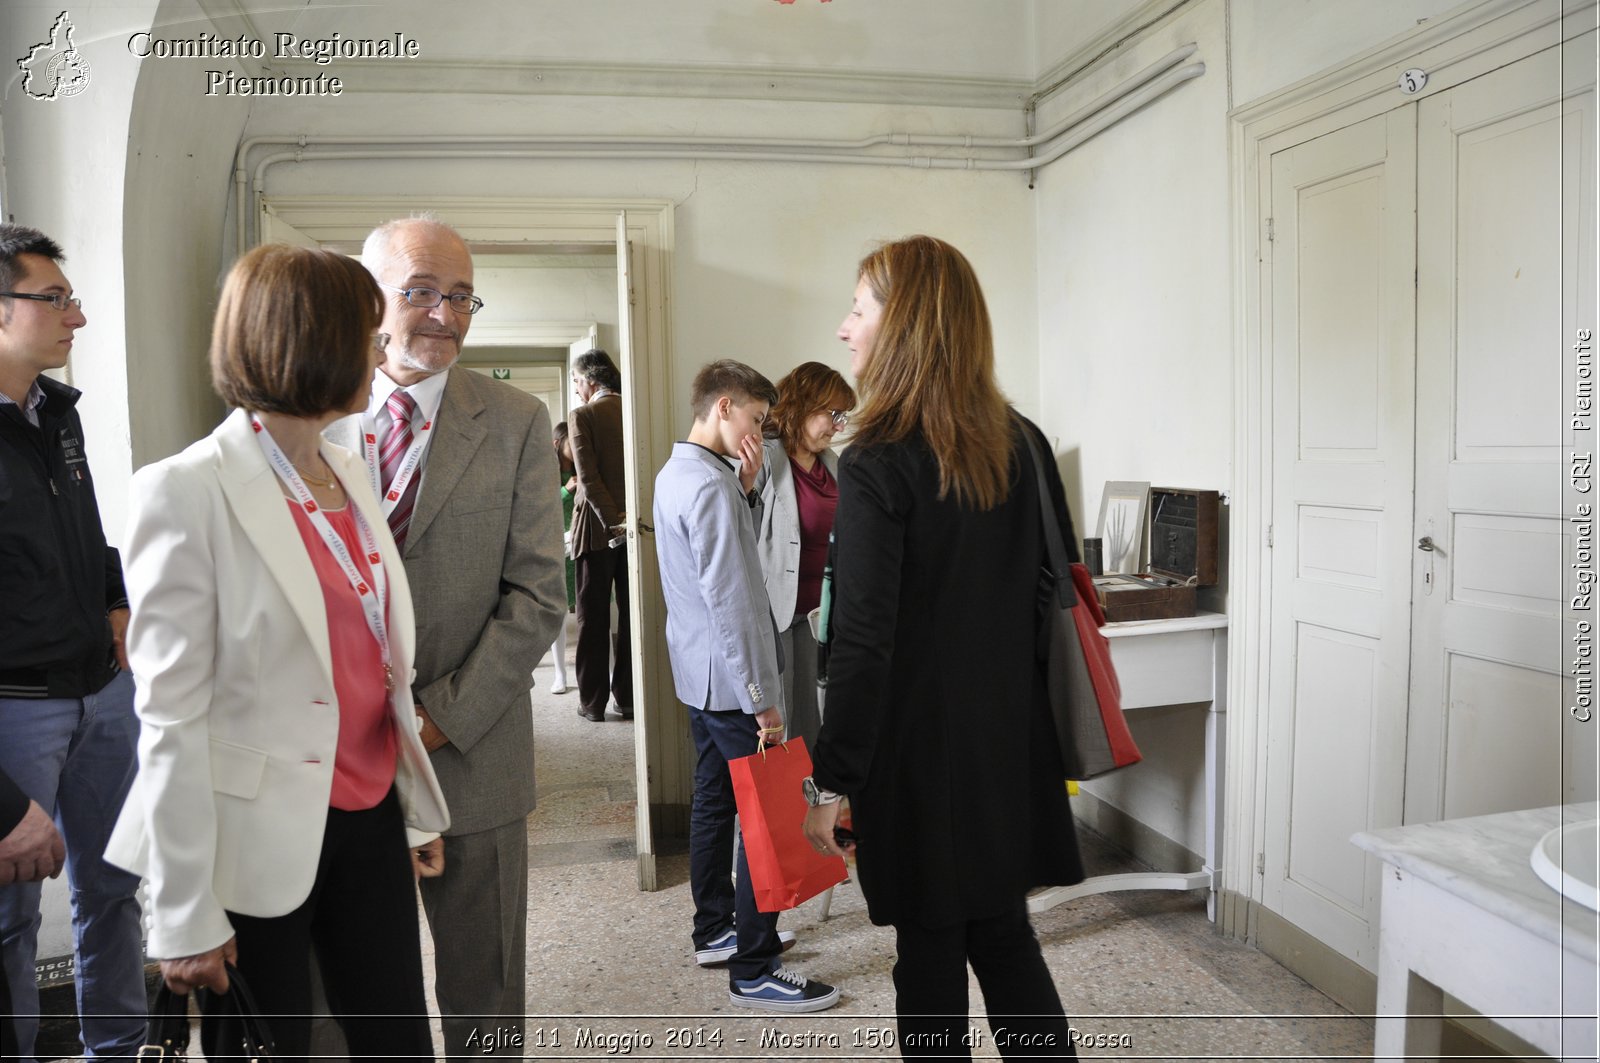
x=1484, y=860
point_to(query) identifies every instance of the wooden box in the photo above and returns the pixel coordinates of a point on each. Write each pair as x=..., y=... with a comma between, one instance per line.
x=1182, y=532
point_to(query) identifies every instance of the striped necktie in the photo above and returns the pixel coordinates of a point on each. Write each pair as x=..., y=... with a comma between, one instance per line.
x=390, y=456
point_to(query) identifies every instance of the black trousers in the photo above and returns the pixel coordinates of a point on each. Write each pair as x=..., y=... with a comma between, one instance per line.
x=930, y=982
x=598, y=572
x=360, y=924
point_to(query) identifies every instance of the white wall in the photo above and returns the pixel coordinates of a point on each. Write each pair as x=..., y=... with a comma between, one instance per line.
x=885, y=36
x=765, y=254
x=534, y=294
x=1279, y=42
x=64, y=174
x=1135, y=297
x=177, y=245
x=1136, y=361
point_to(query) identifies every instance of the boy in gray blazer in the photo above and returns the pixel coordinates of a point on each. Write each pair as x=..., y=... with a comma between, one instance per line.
x=723, y=646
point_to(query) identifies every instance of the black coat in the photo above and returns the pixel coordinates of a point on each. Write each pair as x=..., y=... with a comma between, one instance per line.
x=936, y=722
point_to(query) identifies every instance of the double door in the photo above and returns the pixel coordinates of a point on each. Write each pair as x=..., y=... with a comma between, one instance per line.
x=1428, y=271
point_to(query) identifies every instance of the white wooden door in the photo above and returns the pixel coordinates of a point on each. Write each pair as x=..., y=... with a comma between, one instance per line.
x=1505, y=230
x=1341, y=272
x=643, y=579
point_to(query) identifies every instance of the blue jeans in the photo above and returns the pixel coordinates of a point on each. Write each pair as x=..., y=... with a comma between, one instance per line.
x=720, y=737
x=77, y=758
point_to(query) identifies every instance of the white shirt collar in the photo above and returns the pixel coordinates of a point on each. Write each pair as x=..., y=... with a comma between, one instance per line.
x=427, y=393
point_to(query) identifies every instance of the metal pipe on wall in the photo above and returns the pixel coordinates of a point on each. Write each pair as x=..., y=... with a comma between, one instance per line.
x=1104, y=111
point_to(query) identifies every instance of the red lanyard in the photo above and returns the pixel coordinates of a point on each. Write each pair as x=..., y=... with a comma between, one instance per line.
x=408, y=465
x=373, y=597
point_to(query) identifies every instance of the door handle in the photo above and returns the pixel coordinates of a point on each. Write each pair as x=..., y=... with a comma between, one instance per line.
x=1426, y=543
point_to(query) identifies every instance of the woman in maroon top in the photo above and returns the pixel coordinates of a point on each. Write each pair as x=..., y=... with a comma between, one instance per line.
x=796, y=494
x=271, y=639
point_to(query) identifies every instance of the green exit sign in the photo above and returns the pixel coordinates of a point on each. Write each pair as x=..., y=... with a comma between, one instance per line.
x=502, y=374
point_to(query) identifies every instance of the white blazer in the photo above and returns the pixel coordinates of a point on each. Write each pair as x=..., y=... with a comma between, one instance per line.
x=238, y=718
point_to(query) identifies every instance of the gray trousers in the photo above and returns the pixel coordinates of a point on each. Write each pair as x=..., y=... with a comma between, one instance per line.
x=802, y=717
x=478, y=915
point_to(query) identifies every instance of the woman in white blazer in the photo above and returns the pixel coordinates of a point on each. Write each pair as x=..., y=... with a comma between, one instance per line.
x=271, y=640
x=797, y=493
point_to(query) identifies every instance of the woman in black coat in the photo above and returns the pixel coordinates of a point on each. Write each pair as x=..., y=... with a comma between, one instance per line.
x=938, y=727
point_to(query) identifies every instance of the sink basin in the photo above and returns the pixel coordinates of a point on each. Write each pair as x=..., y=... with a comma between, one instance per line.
x=1568, y=860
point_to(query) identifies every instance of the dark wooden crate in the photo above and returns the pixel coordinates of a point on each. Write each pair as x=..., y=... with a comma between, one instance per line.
x=1183, y=557
x=1143, y=597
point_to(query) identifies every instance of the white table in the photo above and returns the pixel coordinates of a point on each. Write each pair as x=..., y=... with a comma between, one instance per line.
x=1463, y=913
x=1169, y=662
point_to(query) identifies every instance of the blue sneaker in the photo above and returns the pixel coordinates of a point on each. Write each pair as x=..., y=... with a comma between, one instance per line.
x=721, y=948
x=782, y=990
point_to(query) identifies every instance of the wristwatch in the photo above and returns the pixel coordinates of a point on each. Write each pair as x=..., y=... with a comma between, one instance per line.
x=816, y=795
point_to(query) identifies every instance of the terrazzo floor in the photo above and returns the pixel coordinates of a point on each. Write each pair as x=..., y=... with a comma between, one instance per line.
x=1143, y=975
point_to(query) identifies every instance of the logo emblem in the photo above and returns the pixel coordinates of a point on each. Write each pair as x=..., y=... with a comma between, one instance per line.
x=311, y=507
x=392, y=496
x=374, y=558
x=371, y=438
x=361, y=589
x=55, y=69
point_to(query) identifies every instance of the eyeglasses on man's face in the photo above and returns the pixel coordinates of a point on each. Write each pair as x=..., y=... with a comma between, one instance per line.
x=55, y=299
x=380, y=340
x=840, y=417
x=428, y=298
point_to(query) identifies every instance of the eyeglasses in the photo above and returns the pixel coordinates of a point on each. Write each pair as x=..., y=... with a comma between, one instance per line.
x=56, y=299
x=840, y=417
x=380, y=340
x=428, y=298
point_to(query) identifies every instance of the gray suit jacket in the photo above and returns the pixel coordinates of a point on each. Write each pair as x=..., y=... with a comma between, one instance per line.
x=719, y=626
x=778, y=528
x=487, y=576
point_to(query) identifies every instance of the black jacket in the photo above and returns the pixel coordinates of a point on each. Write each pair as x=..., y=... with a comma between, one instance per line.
x=937, y=723
x=58, y=578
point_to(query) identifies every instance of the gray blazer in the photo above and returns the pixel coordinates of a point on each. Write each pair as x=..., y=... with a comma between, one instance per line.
x=720, y=633
x=778, y=527
x=486, y=566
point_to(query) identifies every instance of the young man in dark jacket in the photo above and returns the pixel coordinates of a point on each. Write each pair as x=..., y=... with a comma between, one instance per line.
x=68, y=735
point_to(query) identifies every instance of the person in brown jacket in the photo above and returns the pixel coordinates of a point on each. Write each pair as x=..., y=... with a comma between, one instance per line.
x=599, y=551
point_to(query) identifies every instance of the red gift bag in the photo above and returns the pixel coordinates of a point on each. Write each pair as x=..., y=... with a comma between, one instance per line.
x=784, y=870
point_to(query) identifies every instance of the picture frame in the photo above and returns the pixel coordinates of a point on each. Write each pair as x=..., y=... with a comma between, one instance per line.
x=1121, y=528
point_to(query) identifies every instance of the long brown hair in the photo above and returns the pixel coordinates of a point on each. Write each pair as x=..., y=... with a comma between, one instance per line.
x=931, y=370
x=809, y=388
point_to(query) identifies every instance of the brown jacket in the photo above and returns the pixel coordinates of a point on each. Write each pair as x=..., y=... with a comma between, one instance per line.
x=596, y=436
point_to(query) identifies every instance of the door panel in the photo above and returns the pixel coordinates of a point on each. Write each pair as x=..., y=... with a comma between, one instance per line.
x=643, y=579
x=1488, y=731
x=1341, y=265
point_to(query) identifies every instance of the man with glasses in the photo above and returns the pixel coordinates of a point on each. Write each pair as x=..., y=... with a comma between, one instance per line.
x=466, y=475
x=68, y=735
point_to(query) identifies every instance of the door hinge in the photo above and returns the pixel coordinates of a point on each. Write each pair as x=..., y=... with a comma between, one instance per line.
x=1269, y=537
x=1271, y=232
x=1261, y=863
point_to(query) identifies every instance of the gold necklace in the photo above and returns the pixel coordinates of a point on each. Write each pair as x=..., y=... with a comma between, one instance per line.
x=308, y=478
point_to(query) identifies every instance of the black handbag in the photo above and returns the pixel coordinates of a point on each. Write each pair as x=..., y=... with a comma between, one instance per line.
x=167, y=1036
